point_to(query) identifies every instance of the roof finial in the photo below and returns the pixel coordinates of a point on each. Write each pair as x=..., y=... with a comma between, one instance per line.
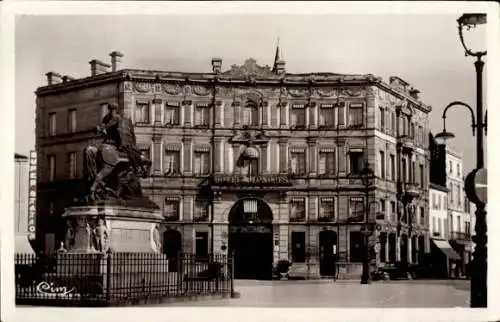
x=277, y=55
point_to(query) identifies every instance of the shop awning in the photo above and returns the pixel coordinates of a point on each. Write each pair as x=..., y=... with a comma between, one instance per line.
x=446, y=248
x=23, y=245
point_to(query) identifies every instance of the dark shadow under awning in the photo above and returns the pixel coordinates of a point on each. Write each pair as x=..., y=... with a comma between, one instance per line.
x=446, y=248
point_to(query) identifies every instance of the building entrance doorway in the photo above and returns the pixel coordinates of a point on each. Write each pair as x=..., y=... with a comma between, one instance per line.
x=172, y=247
x=328, y=251
x=251, y=239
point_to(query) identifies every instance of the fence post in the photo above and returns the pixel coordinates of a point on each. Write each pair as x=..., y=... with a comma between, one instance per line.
x=108, y=276
x=180, y=280
x=231, y=260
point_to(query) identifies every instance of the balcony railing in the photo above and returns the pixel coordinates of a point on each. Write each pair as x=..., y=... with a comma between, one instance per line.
x=298, y=218
x=458, y=235
x=200, y=217
x=171, y=217
x=412, y=189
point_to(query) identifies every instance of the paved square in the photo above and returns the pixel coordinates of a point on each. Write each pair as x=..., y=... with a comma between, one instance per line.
x=346, y=294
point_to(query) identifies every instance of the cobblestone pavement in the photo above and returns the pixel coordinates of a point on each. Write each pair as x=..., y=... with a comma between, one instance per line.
x=348, y=294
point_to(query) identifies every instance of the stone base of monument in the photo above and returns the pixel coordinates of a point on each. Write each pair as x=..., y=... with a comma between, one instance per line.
x=112, y=249
x=122, y=229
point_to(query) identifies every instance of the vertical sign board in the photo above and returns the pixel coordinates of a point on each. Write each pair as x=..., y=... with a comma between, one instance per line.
x=32, y=197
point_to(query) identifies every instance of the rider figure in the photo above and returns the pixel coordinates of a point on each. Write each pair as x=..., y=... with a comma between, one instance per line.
x=113, y=129
x=110, y=127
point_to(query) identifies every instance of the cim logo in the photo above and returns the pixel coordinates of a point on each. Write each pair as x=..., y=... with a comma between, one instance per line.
x=50, y=288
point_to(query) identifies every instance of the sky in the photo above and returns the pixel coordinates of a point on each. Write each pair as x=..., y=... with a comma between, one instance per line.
x=424, y=50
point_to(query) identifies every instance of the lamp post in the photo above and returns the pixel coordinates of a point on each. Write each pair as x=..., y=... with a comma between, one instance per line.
x=367, y=177
x=478, y=297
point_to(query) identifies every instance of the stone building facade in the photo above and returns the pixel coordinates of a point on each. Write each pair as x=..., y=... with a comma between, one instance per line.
x=254, y=160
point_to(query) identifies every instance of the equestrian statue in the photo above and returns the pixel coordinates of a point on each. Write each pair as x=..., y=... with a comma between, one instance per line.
x=114, y=167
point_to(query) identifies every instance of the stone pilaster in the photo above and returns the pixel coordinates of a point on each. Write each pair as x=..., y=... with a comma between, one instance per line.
x=313, y=208
x=283, y=148
x=157, y=155
x=264, y=158
x=228, y=158
x=188, y=206
x=219, y=155
x=188, y=155
x=341, y=155
x=283, y=251
x=266, y=109
x=307, y=113
x=188, y=110
x=128, y=101
x=237, y=114
x=219, y=114
x=313, y=155
x=283, y=115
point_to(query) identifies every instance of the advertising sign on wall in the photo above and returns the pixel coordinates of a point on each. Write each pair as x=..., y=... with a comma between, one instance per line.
x=32, y=197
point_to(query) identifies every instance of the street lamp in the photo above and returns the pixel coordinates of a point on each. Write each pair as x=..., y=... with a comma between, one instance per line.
x=479, y=266
x=368, y=178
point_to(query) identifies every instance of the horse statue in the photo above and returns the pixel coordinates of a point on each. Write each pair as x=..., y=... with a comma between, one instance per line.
x=115, y=167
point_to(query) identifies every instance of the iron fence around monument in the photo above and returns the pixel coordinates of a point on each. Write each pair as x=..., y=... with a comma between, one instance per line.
x=111, y=279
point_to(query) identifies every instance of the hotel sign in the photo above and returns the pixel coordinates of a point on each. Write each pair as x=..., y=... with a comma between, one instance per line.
x=32, y=196
x=261, y=180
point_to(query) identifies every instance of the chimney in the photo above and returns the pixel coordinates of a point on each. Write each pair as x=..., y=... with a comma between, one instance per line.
x=67, y=78
x=53, y=78
x=116, y=59
x=280, y=67
x=97, y=67
x=414, y=93
x=216, y=65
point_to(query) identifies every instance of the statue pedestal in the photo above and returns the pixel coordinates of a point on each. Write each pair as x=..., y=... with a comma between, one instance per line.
x=97, y=228
x=129, y=232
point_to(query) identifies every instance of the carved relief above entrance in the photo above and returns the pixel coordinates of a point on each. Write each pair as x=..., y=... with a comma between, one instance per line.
x=249, y=137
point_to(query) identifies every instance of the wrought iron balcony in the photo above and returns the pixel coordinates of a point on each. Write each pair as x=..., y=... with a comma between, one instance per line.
x=406, y=143
x=462, y=236
x=411, y=190
x=200, y=218
x=298, y=218
x=326, y=218
x=171, y=217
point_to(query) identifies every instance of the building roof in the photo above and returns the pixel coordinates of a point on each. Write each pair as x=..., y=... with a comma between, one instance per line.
x=453, y=152
x=248, y=73
x=433, y=186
